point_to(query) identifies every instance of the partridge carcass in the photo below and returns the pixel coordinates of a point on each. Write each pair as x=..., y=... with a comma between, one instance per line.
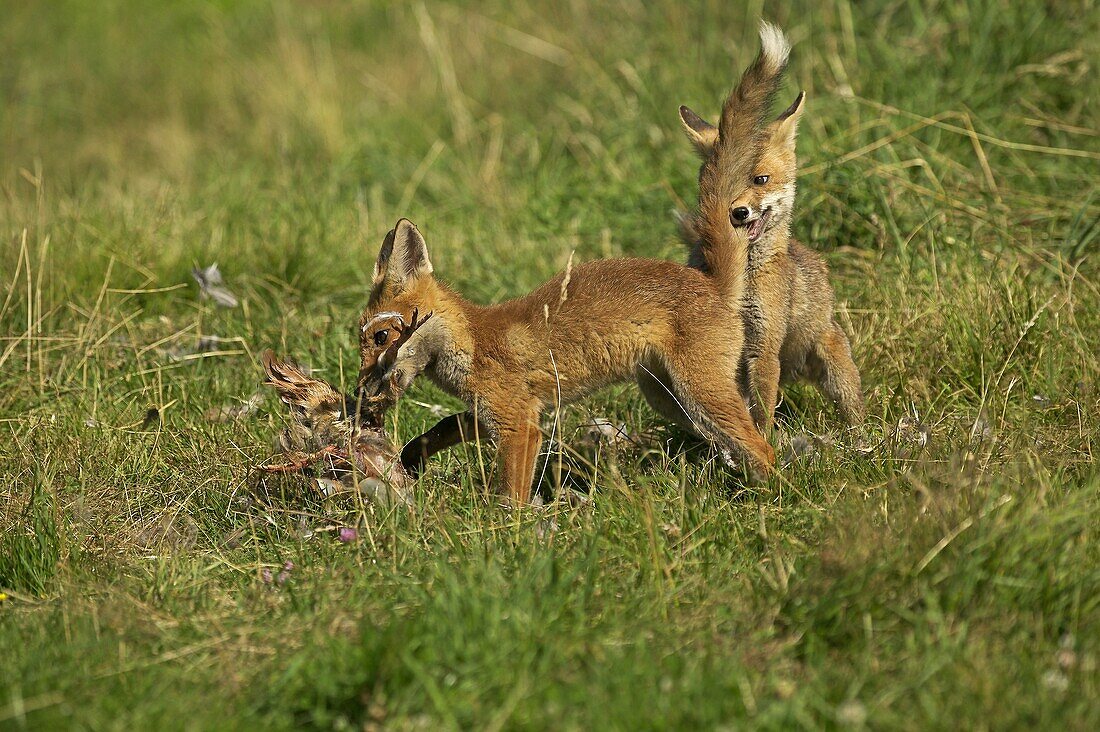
x=339, y=437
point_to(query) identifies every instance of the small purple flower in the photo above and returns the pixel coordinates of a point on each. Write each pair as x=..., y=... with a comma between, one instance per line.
x=282, y=578
x=348, y=535
x=265, y=575
x=288, y=566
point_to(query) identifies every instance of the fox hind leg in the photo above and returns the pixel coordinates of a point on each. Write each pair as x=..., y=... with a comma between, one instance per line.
x=656, y=386
x=830, y=366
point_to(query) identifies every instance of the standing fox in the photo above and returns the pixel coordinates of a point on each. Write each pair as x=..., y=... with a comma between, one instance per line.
x=787, y=313
x=611, y=320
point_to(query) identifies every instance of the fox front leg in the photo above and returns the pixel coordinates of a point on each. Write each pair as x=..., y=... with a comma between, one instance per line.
x=518, y=446
x=448, y=432
x=764, y=388
x=518, y=452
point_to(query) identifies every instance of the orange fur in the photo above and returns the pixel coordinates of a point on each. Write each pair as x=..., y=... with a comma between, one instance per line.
x=616, y=320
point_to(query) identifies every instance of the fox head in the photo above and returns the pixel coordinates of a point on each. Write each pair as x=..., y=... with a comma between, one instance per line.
x=395, y=338
x=765, y=199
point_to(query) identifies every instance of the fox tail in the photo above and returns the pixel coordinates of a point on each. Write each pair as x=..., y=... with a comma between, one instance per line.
x=728, y=170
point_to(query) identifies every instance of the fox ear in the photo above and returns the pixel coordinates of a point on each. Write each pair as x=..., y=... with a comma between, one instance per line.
x=384, y=255
x=703, y=134
x=786, y=124
x=404, y=256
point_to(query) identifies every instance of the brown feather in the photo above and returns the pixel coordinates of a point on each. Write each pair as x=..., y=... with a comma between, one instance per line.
x=344, y=434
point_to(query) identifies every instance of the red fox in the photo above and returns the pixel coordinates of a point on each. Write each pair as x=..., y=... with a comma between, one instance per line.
x=612, y=320
x=787, y=313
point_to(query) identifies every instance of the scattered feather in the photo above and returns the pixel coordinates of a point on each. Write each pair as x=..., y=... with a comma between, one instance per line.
x=305, y=531
x=601, y=429
x=574, y=498
x=981, y=431
x=211, y=286
x=437, y=411
x=911, y=436
x=800, y=446
x=328, y=487
x=203, y=344
x=234, y=412
x=546, y=528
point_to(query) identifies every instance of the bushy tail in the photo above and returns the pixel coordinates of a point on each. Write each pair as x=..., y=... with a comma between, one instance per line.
x=747, y=106
x=725, y=174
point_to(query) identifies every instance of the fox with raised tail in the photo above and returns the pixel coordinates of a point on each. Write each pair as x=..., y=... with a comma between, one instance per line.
x=787, y=313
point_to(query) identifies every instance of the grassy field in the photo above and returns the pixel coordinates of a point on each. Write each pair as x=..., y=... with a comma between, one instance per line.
x=937, y=569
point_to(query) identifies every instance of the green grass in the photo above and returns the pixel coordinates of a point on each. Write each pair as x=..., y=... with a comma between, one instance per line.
x=938, y=569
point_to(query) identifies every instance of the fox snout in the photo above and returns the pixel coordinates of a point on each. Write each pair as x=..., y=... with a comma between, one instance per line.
x=750, y=214
x=378, y=374
x=374, y=382
x=387, y=359
x=739, y=214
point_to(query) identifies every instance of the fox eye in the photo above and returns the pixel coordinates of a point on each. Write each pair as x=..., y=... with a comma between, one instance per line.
x=760, y=180
x=380, y=337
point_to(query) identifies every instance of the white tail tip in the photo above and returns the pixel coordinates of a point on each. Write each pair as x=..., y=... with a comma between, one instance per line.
x=773, y=44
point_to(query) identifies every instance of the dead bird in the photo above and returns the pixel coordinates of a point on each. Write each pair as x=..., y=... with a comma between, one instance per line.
x=339, y=438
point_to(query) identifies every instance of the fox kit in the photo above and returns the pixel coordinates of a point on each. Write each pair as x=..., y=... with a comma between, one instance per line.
x=609, y=321
x=787, y=314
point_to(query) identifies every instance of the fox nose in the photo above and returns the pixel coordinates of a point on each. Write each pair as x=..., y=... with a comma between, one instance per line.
x=740, y=213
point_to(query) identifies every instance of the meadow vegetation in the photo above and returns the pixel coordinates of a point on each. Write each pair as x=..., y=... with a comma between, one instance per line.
x=938, y=568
